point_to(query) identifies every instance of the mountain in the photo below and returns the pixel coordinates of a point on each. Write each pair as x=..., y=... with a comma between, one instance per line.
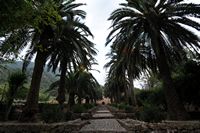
x=6, y=69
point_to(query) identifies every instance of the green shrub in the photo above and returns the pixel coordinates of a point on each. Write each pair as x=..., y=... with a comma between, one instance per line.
x=129, y=109
x=114, y=105
x=154, y=96
x=79, y=108
x=88, y=106
x=151, y=113
x=122, y=106
x=52, y=113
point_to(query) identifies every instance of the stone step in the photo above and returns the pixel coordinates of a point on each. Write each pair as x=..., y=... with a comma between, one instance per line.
x=103, y=126
x=102, y=115
x=102, y=111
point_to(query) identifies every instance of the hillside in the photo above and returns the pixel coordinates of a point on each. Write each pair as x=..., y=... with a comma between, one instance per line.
x=47, y=78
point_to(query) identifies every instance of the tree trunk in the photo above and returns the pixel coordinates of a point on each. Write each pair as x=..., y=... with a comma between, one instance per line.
x=87, y=100
x=131, y=92
x=79, y=99
x=71, y=101
x=31, y=106
x=8, y=108
x=111, y=99
x=176, y=108
x=62, y=88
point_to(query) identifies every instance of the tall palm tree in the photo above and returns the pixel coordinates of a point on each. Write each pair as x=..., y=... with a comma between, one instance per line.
x=43, y=44
x=72, y=50
x=162, y=25
x=128, y=63
x=116, y=82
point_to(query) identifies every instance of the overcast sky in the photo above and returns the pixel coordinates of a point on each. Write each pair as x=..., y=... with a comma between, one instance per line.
x=98, y=12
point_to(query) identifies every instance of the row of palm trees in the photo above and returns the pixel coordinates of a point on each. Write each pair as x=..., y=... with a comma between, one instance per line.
x=79, y=85
x=152, y=35
x=57, y=37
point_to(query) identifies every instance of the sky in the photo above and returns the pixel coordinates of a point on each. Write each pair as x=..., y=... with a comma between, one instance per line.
x=98, y=11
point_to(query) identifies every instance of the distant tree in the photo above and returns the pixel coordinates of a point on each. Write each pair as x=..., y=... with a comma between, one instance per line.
x=81, y=84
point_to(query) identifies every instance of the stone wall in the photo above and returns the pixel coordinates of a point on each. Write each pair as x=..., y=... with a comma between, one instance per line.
x=64, y=127
x=135, y=126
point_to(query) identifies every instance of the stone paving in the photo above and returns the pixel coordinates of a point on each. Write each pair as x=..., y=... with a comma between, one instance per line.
x=103, y=121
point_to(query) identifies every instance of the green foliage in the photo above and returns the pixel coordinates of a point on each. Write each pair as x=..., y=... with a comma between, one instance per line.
x=15, y=81
x=47, y=14
x=122, y=106
x=88, y=106
x=22, y=93
x=186, y=79
x=15, y=14
x=129, y=109
x=152, y=105
x=52, y=113
x=153, y=96
x=151, y=113
x=3, y=90
x=43, y=96
x=79, y=108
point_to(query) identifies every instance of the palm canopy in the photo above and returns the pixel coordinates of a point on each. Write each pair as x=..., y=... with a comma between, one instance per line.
x=134, y=22
x=72, y=46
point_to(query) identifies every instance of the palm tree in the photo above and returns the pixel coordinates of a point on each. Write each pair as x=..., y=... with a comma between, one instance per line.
x=43, y=44
x=72, y=50
x=78, y=83
x=128, y=63
x=162, y=26
x=86, y=86
x=116, y=82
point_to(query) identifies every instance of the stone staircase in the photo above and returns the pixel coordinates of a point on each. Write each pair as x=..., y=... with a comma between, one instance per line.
x=102, y=122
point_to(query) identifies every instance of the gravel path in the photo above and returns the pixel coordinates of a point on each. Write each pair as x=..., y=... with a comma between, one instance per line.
x=103, y=122
x=103, y=125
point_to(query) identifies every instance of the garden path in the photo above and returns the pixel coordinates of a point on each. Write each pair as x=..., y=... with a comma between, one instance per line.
x=103, y=121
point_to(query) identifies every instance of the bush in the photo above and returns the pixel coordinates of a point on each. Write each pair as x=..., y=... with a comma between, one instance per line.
x=114, y=105
x=52, y=113
x=129, y=109
x=122, y=106
x=88, y=106
x=79, y=108
x=151, y=113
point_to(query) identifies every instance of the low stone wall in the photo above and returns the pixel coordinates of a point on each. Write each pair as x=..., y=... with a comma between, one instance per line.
x=135, y=126
x=64, y=127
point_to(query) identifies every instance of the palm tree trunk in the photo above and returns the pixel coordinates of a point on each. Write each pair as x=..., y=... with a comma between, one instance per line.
x=87, y=100
x=61, y=90
x=71, y=101
x=79, y=100
x=131, y=92
x=31, y=107
x=176, y=108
